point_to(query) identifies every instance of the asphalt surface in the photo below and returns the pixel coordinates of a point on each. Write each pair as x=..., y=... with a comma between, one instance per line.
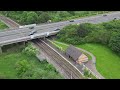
x=7, y=36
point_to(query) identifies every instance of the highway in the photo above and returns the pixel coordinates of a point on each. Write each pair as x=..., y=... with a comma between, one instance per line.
x=18, y=35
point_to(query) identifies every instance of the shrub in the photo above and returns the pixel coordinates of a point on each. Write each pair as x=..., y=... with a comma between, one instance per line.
x=115, y=43
x=87, y=73
x=30, y=50
x=82, y=30
x=21, y=67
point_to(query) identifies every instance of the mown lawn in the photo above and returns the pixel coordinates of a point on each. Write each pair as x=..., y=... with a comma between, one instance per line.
x=107, y=62
x=8, y=62
x=2, y=26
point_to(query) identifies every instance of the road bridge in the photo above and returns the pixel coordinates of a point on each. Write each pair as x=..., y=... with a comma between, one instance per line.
x=44, y=30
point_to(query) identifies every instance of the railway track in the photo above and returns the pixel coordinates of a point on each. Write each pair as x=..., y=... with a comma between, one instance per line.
x=69, y=70
x=10, y=23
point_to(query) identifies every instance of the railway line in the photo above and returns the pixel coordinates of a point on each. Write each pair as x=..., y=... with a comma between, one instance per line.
x=68, y=69
x=10, y=23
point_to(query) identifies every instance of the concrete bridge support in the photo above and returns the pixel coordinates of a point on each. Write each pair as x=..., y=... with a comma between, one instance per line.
x=0, y=49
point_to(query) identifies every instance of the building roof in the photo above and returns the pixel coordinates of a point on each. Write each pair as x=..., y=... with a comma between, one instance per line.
x=73, y=52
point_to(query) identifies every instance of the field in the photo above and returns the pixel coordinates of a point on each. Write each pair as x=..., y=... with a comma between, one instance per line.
x=2, y=26
x=107, y=62
x=42, y=69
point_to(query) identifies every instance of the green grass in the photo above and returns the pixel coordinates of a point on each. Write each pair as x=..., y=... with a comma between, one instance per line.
x=8, y=62
x=107, y=62
x=2, y=26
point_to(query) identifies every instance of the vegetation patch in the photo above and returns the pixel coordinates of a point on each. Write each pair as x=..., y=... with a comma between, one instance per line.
x=2, y=26
x=21, y=65
x=29, y=17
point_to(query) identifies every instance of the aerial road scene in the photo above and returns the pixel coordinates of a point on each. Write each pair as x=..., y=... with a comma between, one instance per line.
x=59, y=44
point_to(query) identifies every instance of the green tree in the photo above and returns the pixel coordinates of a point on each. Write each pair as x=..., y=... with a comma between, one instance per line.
x=115, y=43
x=64, y=14
x=82, y=30
x=30, y=50
x=32, y=17
x=22, y=66
x=44, y=17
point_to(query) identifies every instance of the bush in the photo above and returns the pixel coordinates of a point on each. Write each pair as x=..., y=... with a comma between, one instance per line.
x=30, y=50
x=87, y=73
x=44, y=17
x=22, y=66
x=115, y=43
x=82, y=30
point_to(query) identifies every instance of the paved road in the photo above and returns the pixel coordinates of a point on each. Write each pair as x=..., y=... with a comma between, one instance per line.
x=23, y=33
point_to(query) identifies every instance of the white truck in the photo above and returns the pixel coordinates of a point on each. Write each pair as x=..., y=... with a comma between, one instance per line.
x=30, y=26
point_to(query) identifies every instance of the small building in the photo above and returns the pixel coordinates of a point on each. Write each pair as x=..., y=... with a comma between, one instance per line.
x=76, y=54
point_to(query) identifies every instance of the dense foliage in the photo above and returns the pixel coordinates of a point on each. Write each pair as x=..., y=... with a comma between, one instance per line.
x=23, y=64
x=29, y=17
x=107, y=33
x=30, y=50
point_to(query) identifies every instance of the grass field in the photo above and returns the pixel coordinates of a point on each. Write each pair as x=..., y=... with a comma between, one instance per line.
x=107, y=62
x=8, y=61
x=2, y=26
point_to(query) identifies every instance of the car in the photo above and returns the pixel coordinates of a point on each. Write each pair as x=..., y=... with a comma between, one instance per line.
x=71, y=21
x=33, y=32
x=31, y=27
x=57, y=29
x=115, y=18
x=104, y=15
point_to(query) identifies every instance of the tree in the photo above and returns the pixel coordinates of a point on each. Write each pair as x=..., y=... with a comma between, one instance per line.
x=32, y=17
x=115, y=43
x=64, y=14
x=82, y=30
x=22, y=66
x=44, y=17
x=23, y=18
x=30, y=50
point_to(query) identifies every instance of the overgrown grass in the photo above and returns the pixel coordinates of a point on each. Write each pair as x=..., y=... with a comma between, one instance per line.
x=43, y=69
x=2, y=26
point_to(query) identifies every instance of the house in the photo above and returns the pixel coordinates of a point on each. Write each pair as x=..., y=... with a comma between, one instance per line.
x=76, y=54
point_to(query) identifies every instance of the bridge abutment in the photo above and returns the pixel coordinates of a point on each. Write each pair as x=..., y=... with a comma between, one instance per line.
x=0, y=49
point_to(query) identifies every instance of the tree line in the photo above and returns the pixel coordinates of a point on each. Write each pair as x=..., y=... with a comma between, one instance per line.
x=30, y=17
